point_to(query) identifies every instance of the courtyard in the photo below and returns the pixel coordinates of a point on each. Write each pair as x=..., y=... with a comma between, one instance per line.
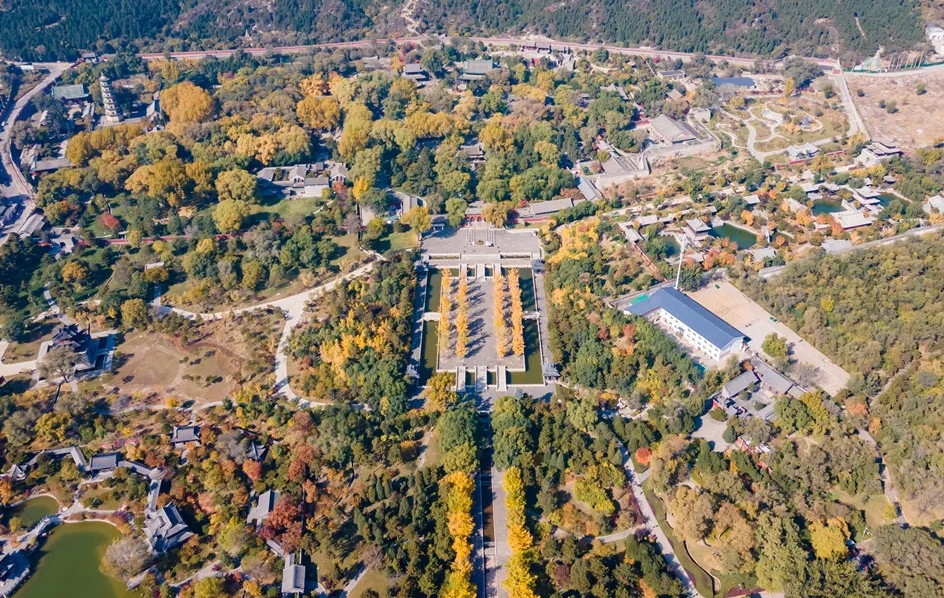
x=503, y=340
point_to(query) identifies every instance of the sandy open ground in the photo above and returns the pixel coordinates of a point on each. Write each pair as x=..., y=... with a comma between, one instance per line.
x=919, y=121
x=737, y=309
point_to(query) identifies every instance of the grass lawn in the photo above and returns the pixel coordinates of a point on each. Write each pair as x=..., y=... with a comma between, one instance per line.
x=725, y=582
x=396, y=242
x=287, y=208
x=433, y=454
x=149, y=363
x=872, y=506
x=29, y=349
x=703, y=581
x=777, y=143
x=98, y=229
x=103, y=494
x=741, y=135
x=915, y=515
x=348, y=253
x=372, y=580
x=763, y=131
x=17, y=384
x=693, y=163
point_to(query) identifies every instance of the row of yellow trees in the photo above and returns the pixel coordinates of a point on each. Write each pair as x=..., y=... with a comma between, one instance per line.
x=517, y=313
x=501, y=330
x=462, y=315
x=458, y=487
x=520, y=581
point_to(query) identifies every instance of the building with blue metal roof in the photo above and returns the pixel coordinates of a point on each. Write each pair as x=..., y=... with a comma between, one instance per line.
x=745, y=82
x=698, y=326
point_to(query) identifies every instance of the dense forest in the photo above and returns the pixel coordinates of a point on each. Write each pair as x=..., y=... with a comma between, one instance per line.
x=58, y=29
x=805, y=27
x=873, y=311
x=911, y=414
x=34, y=30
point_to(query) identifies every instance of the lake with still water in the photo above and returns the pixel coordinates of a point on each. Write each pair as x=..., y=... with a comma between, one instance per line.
x=32, y=511
x=68, y=564
x=744, y=238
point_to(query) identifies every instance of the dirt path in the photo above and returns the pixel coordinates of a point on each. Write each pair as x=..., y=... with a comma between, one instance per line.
x=407, y=13
x=859, y=27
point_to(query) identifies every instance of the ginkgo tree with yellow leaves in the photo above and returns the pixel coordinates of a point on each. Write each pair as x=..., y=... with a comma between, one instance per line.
x=462, y=315
x=520, y=582
x=501, y=329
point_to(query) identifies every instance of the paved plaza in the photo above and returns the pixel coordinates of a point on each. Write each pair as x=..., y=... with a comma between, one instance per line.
x=481, y=350
x=481, y=250
x=482, y=243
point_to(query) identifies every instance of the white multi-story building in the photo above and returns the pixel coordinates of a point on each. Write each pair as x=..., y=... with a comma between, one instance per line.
x=696, y=325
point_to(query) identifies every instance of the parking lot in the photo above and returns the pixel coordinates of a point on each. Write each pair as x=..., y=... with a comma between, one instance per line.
x=737, y=309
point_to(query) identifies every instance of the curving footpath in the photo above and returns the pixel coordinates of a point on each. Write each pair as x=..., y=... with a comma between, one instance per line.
x=294, y=308
x=653, y=524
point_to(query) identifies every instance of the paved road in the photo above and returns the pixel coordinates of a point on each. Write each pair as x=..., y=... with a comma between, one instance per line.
x=856, y=124
x=556, y=45
x=653, y=524
x=17, y=187
x=500, y=521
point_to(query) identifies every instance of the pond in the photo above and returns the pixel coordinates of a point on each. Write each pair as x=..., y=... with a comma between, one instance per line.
x=662, y=247
x=32, y=511
x=526, y=281
x=886, y=198
x=825, y=206
x=433, y=289
x=430, y=350
x=533, y=373
x=67, y=564
x=743, y=238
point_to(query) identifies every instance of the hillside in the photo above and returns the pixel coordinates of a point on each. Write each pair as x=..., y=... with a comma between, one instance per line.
x=58, y=29
x=49, y=29
x=776, y=27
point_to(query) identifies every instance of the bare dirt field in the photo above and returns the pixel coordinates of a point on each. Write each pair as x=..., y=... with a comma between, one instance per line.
x=738, y=310
x=154, y=367
x=919, y=121
x=151, y=364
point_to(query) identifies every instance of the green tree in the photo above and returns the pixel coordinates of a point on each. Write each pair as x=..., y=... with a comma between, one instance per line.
x=775, y=346
x=455, y=211
x=230, y=214
x=134, y=313
x=236, y=185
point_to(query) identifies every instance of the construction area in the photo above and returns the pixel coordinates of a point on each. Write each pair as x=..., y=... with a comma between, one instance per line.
x=914, y=120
